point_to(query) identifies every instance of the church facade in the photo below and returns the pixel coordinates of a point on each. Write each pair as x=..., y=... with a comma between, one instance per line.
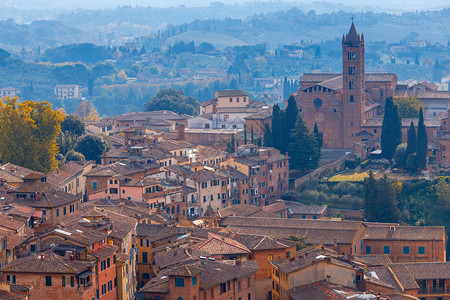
x=341, y=104
x=348, y=107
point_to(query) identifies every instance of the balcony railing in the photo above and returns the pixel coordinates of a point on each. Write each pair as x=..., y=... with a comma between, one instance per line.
x=433, y=290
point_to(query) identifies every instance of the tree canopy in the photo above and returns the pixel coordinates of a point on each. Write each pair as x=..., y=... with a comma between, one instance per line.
x=92, y=146
x=72, y=155
x=380, y=203
x=28, y=132
x=408, y=106
x=173, y=100
x=86, y=111
x=87, y=53
x=73, y=125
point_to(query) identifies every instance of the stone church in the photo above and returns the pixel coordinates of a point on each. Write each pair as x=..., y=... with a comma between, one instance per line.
x=343, y=105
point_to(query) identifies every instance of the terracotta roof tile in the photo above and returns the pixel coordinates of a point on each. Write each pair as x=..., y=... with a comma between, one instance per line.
x=321, y=291
x=46, y=263
x=404, y=276
x=66, y=171
x=105, y=251
x=384, y=274
x=372, y=260
x=14, y=240
x=230, y=93
x=431, y=270
x=8, y=222
x=415, y=233
x=217, y=245
x=255, y=243
x=177, y=256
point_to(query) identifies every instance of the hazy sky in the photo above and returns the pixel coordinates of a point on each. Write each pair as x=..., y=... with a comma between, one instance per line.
x=390, y=5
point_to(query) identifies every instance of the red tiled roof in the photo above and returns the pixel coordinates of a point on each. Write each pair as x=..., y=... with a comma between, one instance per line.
x=217, y=245
x=46, y=263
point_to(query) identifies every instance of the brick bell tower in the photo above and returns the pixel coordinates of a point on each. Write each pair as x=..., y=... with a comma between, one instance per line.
x=353, y=76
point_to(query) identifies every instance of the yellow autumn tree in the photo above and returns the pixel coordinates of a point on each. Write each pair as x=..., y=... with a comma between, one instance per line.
x=86, y=111
x=28, y=132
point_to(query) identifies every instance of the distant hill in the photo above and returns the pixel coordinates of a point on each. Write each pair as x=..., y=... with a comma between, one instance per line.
x=39, y=33
x=87, y=53
x=218, y=40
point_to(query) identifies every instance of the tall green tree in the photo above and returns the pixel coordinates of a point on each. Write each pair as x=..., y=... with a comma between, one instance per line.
x=291, y=114
x=267, y=136
x=284, y=133
x=303, y=149
x=388, y=210
x=231, y=148
x=422, y=143
x=412, y=140
x=277, y=138
x=380, y=204
x=245, y=135
x=391, y=129
x=370, y=197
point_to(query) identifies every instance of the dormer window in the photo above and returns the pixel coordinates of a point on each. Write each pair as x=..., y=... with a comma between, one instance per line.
x=392, y=228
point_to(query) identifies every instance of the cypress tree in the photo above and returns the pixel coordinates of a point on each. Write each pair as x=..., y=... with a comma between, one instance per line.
x=422, y=143
x=370, y=197
x=391, y=129
x=245, y=135
x=277, y=138
x=231, y=148
x=380, y=200
x=284, y=133
x=303, y=149
x=291, y=114
x=412, y=140
x=387, y=210
x=267, y=136
x=397, y=130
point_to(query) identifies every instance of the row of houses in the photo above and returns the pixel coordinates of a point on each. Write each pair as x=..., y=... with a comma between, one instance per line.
x=112, y=243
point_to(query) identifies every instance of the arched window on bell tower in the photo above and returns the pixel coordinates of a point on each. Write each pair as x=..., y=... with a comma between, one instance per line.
x=352, y=98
